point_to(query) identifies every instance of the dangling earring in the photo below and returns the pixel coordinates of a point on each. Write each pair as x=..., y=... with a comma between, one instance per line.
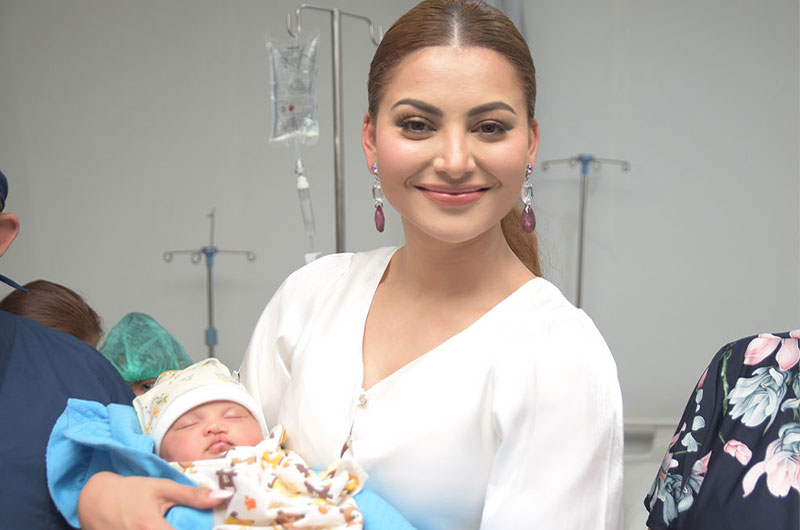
x=528, y=218
x=377, y=195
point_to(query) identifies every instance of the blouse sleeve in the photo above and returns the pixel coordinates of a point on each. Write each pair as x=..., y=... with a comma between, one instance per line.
x=264, y=372
x=558, y=415
x=267, y=365
x=732, y=461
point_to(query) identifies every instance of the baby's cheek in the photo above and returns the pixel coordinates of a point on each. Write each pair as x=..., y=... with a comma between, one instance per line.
x=173, y=447
x=254, y=435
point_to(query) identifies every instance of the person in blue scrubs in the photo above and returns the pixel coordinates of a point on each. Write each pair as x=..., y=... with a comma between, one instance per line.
x=40, y=368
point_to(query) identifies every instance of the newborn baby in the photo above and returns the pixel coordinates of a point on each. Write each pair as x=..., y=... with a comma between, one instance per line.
x=212, y=430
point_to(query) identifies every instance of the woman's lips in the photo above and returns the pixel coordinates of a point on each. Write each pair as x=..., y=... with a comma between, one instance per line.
x=452, y=196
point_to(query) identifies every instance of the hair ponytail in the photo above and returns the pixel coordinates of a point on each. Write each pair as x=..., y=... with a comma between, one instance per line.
x=524, y=245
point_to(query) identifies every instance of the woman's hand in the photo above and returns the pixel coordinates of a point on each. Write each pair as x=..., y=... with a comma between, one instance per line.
x=109, y=500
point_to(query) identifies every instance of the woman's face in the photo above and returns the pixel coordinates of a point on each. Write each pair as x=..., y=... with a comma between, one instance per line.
x=451, y=141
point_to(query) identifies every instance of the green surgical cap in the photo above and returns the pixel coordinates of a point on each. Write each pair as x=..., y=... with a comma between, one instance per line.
x=140, y=348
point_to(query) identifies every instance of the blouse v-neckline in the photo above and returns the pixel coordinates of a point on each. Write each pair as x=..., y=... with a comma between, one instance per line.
x=372, y=288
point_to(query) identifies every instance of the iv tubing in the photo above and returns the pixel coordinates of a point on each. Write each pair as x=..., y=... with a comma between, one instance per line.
x=304, y=194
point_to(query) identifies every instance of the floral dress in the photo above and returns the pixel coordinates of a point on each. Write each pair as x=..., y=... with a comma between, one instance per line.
x=734, y=462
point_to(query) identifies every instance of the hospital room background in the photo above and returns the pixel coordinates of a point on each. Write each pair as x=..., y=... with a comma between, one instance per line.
x=124, y=125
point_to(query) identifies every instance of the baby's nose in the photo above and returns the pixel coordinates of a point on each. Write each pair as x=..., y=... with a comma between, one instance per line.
x=216, y=428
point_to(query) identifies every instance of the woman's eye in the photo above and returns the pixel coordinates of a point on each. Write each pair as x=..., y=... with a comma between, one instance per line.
x=492, y=128
x=415, y=126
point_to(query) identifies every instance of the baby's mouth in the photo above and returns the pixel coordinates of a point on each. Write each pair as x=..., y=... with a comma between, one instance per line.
x=219, y=445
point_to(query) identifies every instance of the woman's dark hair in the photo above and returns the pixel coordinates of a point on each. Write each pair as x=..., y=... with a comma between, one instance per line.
x=461, y=23
x=56, y=307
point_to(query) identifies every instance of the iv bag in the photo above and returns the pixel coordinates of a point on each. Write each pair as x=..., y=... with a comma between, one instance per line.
x=293, y=72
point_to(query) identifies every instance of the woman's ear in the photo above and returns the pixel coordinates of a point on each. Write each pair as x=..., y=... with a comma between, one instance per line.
x=533, y=141
x=368, y=140
x=9, y=228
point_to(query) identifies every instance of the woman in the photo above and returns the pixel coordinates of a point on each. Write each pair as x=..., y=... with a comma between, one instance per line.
x=470, y=390
x=733, y=461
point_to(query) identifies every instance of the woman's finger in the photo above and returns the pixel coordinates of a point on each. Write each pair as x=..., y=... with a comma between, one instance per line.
x=135, y=503
x=174, y=494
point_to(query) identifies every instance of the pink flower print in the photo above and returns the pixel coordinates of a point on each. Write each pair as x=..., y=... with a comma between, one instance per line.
x=702, y=380
x=766, y=344
x=701, y=467
x=788, y=355
x=760, y=348
x=677, y=435
x=739, y=451
x=666, y=464
x=781, y=464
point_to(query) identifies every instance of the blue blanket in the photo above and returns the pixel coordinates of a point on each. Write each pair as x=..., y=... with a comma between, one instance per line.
x=89, y=437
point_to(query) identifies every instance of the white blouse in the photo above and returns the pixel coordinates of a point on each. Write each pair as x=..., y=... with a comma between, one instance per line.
x=515, y=422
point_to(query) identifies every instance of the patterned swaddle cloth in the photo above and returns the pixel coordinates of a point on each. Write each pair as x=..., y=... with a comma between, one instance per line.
x=273, y=488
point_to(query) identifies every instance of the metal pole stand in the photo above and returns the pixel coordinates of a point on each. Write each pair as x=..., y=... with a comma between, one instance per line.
x=209, y=252
x=585, y=161
x=338, y=122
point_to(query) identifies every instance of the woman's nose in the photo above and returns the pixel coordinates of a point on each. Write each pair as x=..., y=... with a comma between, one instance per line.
x=455, y=157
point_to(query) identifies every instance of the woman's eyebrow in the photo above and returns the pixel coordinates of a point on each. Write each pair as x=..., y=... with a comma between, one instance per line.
x=480, y=109
x=486, y=107
x=421, y=105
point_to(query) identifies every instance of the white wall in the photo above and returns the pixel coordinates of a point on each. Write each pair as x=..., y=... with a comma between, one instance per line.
x=698, y=244
x=123, y=123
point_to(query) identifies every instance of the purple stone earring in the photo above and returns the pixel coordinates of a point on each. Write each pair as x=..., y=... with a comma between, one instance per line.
x=377, y=195
x=528, y=218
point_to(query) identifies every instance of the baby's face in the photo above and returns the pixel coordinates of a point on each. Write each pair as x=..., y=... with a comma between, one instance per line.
x=209, y=431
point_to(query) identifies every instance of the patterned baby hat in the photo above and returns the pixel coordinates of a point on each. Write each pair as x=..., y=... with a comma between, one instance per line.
x=178, y=391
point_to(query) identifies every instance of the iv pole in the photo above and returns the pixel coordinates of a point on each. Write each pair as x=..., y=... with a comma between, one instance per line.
x=585, y=161
x=209, y=252
x=338, y=128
